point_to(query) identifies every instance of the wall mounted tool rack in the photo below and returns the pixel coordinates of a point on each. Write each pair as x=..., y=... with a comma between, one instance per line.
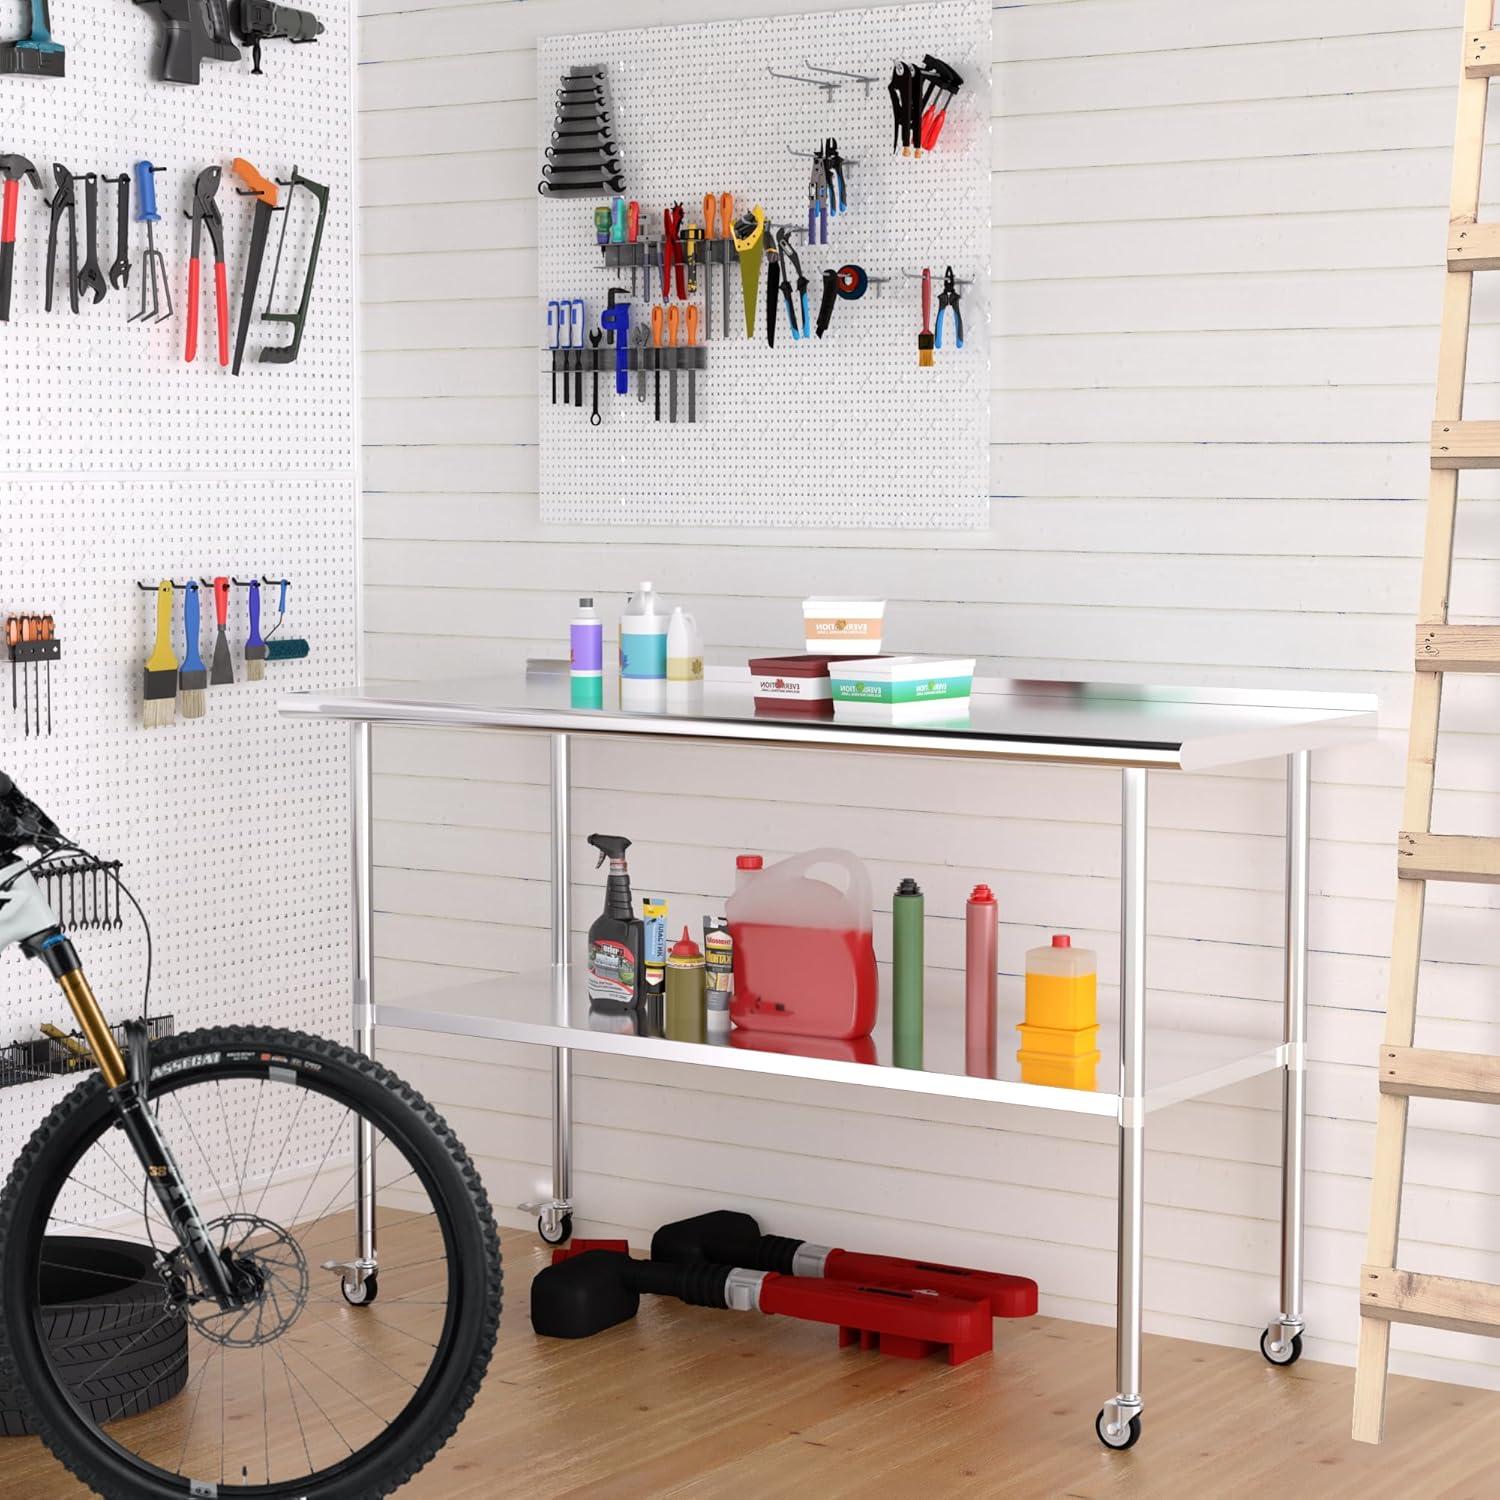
x=65, y=1055
x=741, y=109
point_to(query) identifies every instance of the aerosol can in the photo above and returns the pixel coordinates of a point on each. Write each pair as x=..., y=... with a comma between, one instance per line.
x=618, y=937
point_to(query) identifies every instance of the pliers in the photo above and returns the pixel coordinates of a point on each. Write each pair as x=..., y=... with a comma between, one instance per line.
x=64, y=201
x=671, y=254
x=791, y=262
x=773, y=284
x=205, y=213
x=833, y=174
x=817, y=201
x=948, y=300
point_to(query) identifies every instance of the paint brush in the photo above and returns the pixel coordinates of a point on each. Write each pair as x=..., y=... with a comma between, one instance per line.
x=255, y=647
x=222, y=672
x=159, y=694
x=192, y=680
x=924, y=339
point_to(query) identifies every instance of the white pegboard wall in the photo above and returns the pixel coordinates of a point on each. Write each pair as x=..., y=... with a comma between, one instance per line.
x=846, y=431
x=232, y=828
x=94, y=393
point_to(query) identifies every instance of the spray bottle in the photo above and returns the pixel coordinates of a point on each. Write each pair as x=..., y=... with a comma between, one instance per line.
x=617, y=939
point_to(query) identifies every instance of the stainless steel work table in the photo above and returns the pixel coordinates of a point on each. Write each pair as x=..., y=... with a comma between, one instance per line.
x=1135, y=730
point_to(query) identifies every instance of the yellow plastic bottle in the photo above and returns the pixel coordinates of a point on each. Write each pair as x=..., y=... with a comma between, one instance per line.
x=1059, y=1037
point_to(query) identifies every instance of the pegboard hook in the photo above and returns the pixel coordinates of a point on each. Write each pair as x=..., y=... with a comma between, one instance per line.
x=863, y=78
x=848, y=161
x=151, y=588
x=817, y=83
x=917, y=276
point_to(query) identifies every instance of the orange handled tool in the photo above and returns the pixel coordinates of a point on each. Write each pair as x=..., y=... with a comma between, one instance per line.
x=692, y=338
x=710, y=254
x=267, y=197
x=674, y=325
x=726, y=223
x=656, y=325
x=924, y=339
x=205, y=214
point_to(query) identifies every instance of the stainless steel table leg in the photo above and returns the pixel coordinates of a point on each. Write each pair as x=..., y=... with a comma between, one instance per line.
x=555, y=1215
x=358, y=1275
x=1282, y=1341
x=1119, y=1423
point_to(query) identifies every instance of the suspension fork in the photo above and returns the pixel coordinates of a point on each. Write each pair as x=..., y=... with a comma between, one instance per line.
x=127, y=1094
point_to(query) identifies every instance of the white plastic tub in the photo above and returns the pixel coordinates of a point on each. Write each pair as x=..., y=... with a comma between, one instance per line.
x=901, y=689
x=843, y=627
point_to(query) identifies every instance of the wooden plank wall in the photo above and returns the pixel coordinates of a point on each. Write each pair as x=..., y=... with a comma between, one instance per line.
x=1217, y=238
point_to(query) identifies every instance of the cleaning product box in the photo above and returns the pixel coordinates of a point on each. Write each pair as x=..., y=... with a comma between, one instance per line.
x=902, y=689
x=793, y=685
x=1060, y=1035
x=843, y=627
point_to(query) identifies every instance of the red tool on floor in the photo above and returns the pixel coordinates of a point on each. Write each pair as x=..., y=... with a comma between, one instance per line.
x=735, y=1238
x=205, y=214
x=594, y=1286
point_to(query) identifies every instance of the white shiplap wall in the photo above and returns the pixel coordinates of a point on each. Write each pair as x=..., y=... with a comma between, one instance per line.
x=1217, y=239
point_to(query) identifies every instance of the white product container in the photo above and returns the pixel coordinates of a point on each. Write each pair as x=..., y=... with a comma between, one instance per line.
x=843, y=627
x=684, y=648
x=902, y=689
x=643, y=637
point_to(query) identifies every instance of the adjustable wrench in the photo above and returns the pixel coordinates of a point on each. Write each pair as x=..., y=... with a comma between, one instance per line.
x=64, y=201
x=91, y=278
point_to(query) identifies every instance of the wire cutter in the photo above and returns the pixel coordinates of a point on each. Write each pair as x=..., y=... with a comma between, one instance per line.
x=948, y=301
x=834, y=176
x=792, y=262
x=671, y=254
x=205, y=213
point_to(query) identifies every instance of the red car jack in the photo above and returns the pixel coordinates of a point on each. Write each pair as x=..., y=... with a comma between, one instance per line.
x=596, y=1285
x=731, y=1238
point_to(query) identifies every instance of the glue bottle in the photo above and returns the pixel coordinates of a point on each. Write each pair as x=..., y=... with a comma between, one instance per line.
x=907, y=912
x=687, y=1001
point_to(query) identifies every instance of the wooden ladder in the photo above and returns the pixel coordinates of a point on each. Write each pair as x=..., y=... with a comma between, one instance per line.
x=1388, y=1295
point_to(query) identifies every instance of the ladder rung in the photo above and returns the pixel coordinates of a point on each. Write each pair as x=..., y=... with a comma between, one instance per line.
x=1473, y=247
x=1466, y=445
x=1436, y=1301
x=1447, y=856
x=1458, y=648
x=1482, y=54
x=1440, y=1075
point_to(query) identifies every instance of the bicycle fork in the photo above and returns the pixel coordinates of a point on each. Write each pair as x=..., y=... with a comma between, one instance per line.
x=141, y=1128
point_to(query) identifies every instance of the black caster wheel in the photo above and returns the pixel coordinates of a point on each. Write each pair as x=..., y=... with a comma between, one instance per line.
x=1128, y=1439
x=362, y=1294
x=561, y=1235
x=1289, y=1354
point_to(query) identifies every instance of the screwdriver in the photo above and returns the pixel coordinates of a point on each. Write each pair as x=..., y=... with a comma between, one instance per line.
x=656, y=315
x=726, y=220
x=12, y=640
x=632, y=234
x=692, y=338
x=710, y=234
x=45, y=631
x=673, y=325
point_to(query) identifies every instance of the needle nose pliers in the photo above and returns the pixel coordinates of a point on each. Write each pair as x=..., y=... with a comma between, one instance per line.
x=205, y=214
x=948, y=301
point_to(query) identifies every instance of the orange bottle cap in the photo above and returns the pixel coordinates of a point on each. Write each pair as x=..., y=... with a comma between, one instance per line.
x=1061, y=940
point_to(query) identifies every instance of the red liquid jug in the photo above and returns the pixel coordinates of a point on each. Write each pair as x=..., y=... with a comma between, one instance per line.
x=804, y=951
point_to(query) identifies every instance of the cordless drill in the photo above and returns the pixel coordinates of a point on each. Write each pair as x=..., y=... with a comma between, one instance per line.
x=37, y=55
x=195, y=29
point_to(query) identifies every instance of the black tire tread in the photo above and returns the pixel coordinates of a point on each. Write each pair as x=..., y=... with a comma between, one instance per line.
x=234, y=1037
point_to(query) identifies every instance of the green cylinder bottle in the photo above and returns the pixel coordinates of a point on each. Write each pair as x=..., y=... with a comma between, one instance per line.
x=907, y=964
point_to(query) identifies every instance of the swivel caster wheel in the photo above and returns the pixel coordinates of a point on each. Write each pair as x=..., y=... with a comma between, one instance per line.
x=1121, y=1440
x=1289, y=1352
x=557, y=1232
x=361, y=1293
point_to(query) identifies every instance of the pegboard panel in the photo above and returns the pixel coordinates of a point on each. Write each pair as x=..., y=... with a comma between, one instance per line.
x=843, y=431
x=232, y=828
x=95, y=393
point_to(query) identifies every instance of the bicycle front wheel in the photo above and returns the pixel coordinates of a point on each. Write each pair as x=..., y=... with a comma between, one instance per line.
x=301, y=1391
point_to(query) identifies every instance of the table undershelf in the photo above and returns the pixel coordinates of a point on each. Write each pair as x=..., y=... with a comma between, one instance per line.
x=1180, y=1064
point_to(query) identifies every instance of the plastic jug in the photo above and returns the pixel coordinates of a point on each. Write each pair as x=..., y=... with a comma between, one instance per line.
x=804, y=951
x=1061, y=986
x=643, y=636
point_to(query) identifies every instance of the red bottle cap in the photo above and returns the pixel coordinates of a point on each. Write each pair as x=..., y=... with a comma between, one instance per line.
x=685, y=947
x=749, y=862
x=982, y=894
x=1062, y=940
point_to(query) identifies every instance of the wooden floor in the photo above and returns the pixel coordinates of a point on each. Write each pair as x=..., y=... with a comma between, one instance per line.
x=686, y=1402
